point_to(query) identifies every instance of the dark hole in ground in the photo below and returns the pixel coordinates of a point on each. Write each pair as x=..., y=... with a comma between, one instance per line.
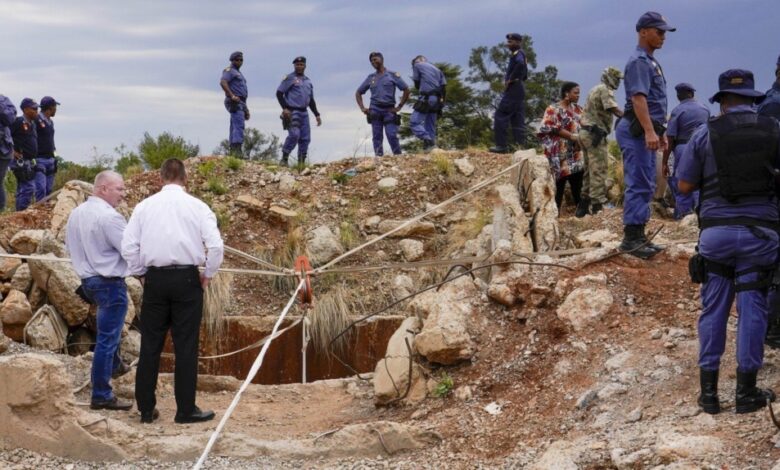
x=283, y=362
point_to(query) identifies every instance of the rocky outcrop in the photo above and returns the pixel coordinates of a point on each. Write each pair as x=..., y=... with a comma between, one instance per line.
x=402, y=286
x=25, y=242
x=413, y=250
x=417, y=229
x=391, y=375
x=15, y=312
x=60, y=282
x=47, y=330
x=445, y=337
x=22, y=279
x=323, y=245
x=70, y=196
x=537, y=188
x=586, y=303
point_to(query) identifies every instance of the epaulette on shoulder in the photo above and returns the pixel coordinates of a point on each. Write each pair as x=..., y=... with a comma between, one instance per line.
x=227, y=69
x=397, y=75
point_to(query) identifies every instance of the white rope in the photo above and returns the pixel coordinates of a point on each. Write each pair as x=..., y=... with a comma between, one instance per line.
x=252, y=372
x=416, y=218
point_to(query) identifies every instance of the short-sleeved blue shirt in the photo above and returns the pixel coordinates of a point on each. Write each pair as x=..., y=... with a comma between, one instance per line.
x=430, y=77
x=236, y=81
x=297, y=89
x=25, y=137
x=644, y=76
x=686, y=117
x=383, y=87
x=698, y=162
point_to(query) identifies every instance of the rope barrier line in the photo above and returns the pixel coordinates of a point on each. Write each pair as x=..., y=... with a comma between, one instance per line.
x=252, y=373
x=416, y=218
x=255, y=259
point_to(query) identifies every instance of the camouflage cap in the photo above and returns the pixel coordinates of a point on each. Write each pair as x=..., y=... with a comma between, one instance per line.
x=611, y=77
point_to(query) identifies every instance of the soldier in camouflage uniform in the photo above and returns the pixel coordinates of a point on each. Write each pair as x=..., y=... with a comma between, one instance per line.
x=596, y=125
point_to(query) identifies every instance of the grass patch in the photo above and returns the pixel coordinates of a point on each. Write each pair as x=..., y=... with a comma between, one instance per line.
x=339, y=178
x=444, y=386
x=443, y=165
x=348, y=234
x=329, y=317
x=223, y=218
x=207, y=169
x=216, y=185
x=284, y=256
x=232, y=163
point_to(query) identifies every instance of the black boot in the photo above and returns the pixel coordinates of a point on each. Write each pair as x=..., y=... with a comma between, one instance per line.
x=749, y=397
x=632, y=241
x=582, y=208
x=595, y=208
x=284, y=161
x=773, y=326
x=708, y=400
x=651, y=245
x=302, y=159
x=498, y=150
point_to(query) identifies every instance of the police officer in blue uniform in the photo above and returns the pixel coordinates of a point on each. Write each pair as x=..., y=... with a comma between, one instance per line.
x=233, y=84
x=432, y=86
x=685, y=118
x=640, y=132
x=382, y=111
x=23, y=132
x=771, y=105
x=732, y=161
x=46, y=161
x=295, y=94
x=7, y=118
x=511, y=108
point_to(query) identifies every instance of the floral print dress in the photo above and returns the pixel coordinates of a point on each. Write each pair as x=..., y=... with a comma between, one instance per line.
x=564, y=155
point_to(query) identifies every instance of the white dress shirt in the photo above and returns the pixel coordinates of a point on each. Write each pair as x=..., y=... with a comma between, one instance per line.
x=94, y=239
x=172, y=228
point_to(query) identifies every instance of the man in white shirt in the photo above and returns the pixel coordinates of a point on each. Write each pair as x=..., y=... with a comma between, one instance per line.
x=168, y=236
x=94, y=240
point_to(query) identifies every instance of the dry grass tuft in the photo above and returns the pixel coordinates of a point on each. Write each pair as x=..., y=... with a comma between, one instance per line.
x=467, y=230
x=330, y=316
x=284, y=256
x=216, y=301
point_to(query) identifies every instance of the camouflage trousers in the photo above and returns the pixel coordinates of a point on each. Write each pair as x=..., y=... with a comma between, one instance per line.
x=594, y=184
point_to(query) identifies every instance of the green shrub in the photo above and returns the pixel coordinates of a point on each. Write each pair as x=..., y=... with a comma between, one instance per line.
x=444, y=387
x=154, y=151
x=216, y=185
x=232, y=163
x=207, y=169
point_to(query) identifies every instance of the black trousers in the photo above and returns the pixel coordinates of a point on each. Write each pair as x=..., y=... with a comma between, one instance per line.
x=575, y=181
x=173, y=299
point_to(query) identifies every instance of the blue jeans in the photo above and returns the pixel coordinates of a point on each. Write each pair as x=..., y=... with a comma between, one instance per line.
x=739, y=247
x=110, y=295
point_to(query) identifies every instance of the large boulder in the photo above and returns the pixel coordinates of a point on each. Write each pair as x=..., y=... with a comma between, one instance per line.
x=15, y=312
x=70, y=196
x=323, y=245
x=25, y=242
x=413, y=250
x=403, y=286
x=47, y=330
x=22, y=279
x=509, y=220
x=417, y=229
x=8, y=267
x=537, y=187
x=585, y=304
x=60, y=282
x=391, y=376
x=135, y=292
x=50, y=244
x=445, y=337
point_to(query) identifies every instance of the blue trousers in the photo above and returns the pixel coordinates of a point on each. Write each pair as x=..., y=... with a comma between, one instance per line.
x=510, y=112
x=44, y=177
x=25, y=190
x=110, y=295
x=423, y=125
x=684, y=204
x=638, y=176
x=736, y=246
x=4, y=164
x=298, y=134
x=237, y=120
x=383, y=119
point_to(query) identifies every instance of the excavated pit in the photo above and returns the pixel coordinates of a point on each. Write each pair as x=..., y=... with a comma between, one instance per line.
x=283, y=363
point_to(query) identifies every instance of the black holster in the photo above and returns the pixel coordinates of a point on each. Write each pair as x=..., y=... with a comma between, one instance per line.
x=697, y=269
x=286, y=121
x=635, y=127
x=24, y=172
x=597, y=134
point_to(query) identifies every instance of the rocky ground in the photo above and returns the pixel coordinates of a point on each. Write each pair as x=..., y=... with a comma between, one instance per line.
x=590, y=364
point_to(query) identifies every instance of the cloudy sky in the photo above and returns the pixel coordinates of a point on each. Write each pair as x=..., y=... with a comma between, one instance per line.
x=122, y=68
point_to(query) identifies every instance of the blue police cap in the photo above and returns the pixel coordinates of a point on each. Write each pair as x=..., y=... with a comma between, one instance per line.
x=652, y=19
x=375, y=54
x=300, y=58
x=515, y=36
x=236, y=55
x=737, y=82
x=28, y=103
x=684, y=86
x=47, y=101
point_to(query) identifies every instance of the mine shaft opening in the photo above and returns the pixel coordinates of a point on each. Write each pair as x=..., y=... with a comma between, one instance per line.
x=365, y=346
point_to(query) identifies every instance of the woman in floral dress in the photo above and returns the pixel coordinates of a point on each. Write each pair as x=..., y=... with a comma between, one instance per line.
x=559, y=135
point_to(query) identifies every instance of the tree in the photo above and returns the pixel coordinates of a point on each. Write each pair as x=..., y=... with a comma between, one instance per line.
x=154, y=151
x=257, y=146
x=127, y=161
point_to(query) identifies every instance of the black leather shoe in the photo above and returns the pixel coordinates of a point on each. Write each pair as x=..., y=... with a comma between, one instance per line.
x=708, y=399
x=595, y=208
x=196, y=416
x=750, y=398
x=583, y=208
x=121, y=370
x=498, y=150
x=149, y=416
x=112, y=404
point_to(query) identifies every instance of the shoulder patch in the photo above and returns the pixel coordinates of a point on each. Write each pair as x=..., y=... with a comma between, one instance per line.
x=398, y=75
x=227, y=69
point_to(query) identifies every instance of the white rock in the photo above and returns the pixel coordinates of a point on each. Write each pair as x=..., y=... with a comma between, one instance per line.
x=413, y=250
x=584, y=305
x=391, y=375
x=672, y=445
x=323, y=245
x=593, y=238
x=387, y=184
x=493, y=408
x=464, y=166
x=25, y=242
x=287, y=182
x=402, y=286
